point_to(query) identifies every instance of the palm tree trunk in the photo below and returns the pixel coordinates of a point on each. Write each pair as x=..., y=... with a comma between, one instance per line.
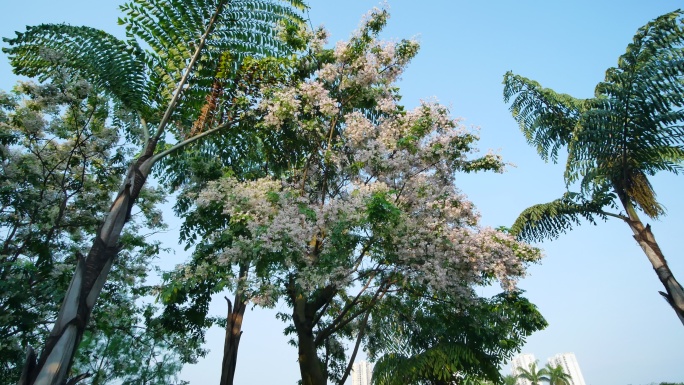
x=233, y=331
x=674, y=294
x=91, y=273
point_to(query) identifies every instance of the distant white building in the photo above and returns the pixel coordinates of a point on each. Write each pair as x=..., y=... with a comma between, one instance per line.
x=522, y=361
x=569, y=363
x=362, y=373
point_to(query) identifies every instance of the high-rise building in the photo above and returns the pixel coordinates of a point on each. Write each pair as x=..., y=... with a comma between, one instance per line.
x=522, y=361
x=568, y=362
x=362, y=373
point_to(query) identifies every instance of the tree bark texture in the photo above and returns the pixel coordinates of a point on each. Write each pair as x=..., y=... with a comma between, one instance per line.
x=310, y=366
x=233, y=332
x=232, y=341
x=91, y=273
x=674, y=294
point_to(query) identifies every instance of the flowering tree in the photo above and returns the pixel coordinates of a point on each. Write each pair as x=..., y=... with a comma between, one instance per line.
x=367, y=206
x=245, y=154
x=185, y=74
x=60, y=159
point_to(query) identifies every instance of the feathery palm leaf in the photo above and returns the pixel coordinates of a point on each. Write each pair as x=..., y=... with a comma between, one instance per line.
x=632, y=129
x=555, y=375
x=550, y=220
x=547, y=118
x=114, y=65
x=172, y=29
x=145, y=80
x=193, y=44
x=509, y=380
x=532, y=374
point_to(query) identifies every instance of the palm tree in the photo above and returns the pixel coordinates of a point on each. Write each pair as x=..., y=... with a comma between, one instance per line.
x=556, y=376
x=510, y=379
x=195, y=51
x=532, y=374
x=629, y=131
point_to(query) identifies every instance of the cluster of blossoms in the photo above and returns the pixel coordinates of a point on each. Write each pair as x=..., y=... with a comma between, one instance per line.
x=317, y=98
x=281, y=105
x=414, y=157
x=278, y=221
x=376, y=193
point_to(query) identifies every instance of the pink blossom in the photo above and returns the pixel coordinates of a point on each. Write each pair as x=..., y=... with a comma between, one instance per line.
x=409, y=158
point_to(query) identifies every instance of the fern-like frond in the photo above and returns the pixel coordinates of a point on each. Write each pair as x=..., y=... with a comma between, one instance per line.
x=172, y=29
x=634, y=126
x=631, y=129
x=116, y=66
x=546, y=118
x=145, y=80
x=428, y=338
x=550, y=220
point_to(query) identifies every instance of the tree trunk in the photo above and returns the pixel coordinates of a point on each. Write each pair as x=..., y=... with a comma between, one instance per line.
x=91, y=273
x=642, y=234
x=233, y=331
x=310, y=366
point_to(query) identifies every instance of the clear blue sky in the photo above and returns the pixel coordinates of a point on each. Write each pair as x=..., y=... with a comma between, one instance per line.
x=595, y=286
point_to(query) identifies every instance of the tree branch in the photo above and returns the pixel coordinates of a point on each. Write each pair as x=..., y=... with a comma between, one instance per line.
x=618, y=216
x=348, y=306
x=181, y=85
x=339, y=323
x=184, y=143
x=145, y=129
x=362, y=330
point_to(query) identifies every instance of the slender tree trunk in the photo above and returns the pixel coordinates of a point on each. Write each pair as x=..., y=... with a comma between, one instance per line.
x=233, y=331
x=91, y=273
x=674, y=294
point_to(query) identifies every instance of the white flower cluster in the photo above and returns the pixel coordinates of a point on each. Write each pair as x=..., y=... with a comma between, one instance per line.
x=280, y=106
x=414, y=156
x=317, y=96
